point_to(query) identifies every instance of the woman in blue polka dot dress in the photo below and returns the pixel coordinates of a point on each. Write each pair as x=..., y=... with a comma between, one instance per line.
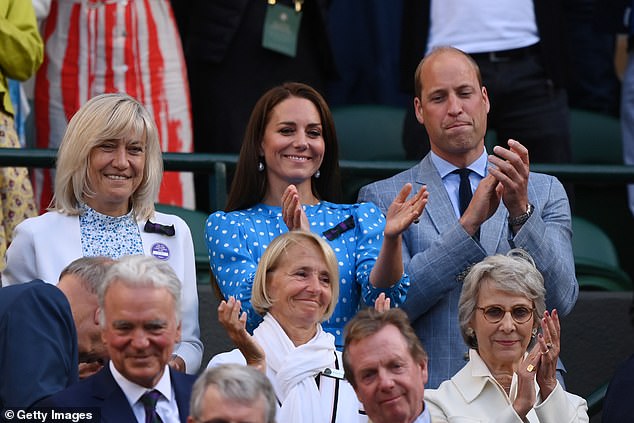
x=287, y=178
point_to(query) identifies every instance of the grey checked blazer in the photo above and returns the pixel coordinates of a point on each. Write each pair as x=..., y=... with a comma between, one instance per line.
x=437, y=250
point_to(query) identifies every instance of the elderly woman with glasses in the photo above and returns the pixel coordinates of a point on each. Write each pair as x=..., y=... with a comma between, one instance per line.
x=515, y=343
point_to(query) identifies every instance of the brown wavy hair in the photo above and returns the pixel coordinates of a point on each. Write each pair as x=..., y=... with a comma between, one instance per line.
x=249, y=186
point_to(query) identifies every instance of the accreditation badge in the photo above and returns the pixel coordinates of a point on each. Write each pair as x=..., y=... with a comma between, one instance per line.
x=281, y=28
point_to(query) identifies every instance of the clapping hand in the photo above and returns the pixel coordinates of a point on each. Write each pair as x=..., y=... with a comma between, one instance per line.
x=292, y=210
x=235, y=324
x=382, y=303
x=540, y=363
x=403, y=212
x=549, y=345
x=511, y=169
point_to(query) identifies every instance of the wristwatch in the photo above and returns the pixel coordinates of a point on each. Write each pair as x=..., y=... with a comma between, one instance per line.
x=522, y=218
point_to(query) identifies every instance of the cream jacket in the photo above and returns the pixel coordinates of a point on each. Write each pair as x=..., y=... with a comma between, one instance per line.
x=473, y=395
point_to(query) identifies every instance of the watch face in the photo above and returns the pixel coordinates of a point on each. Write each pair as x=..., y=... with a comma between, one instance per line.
x=522, y=218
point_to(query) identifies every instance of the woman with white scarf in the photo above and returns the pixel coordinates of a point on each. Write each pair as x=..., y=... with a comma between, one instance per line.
x=296, y=287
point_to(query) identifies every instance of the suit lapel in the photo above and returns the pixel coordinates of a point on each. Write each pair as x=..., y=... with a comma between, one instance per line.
x=115, y=408
x=494, y=229
x=441, y=212
x=182, y=391
x=439, y=207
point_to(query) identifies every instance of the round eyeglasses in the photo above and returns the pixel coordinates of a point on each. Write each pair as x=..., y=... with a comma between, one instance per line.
x=493, y=314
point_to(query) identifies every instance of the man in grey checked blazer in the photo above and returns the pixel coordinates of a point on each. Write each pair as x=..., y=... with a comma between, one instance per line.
x=511, y=207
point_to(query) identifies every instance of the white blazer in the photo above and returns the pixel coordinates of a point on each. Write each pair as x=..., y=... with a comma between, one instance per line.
x=44, y=245
x=472, y=395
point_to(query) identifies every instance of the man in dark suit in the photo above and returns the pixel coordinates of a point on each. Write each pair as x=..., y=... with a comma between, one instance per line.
x=45, y=330
x=140, y=324
x=511, y=207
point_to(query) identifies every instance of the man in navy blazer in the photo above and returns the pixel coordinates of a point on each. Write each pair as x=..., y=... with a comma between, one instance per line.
x=140, y=324
x=511, y=207
x=45, y=330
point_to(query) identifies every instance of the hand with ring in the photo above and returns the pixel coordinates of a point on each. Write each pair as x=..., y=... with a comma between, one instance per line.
x=549, y=345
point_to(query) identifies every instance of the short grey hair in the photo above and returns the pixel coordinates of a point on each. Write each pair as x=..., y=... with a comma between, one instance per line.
x=514, y=273
x=234, y=382
x=91, y=271
x=141, y=271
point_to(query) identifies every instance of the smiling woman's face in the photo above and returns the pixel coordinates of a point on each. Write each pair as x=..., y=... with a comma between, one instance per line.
x=115, y=171
x=293, y=144
x=300, y=287
x=504, y=343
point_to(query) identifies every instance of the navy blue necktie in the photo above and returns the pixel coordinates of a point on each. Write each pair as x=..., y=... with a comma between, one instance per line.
x=149, y=400
x=464, y=191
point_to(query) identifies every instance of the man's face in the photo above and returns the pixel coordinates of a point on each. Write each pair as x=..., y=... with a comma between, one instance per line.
x=389, y=382
x=218, y=409
x=453, y=107
x=140, y=331
x=91, y=347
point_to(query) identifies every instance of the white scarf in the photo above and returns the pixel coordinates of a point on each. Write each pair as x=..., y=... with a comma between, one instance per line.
x=296, y=368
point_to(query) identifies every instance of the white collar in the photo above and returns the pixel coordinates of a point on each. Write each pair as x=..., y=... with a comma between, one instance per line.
x=134, y=392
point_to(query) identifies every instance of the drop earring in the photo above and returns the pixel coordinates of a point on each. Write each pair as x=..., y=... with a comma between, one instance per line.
x=260, y=166
x=317, y=174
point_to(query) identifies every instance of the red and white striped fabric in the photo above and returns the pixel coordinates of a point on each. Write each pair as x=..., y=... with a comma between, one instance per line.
x=99, y=46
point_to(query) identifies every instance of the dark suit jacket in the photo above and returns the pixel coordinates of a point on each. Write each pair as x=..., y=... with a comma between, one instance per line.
x=38, y=343
x=101, y=391
x=549, y=15
x=618, y=406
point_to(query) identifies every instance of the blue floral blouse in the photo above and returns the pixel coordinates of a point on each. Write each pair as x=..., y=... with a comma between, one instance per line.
x=103, y=235
x=236, y=240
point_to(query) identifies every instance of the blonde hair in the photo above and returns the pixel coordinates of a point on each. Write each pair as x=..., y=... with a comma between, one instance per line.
x=106, y=117
x=280, y=246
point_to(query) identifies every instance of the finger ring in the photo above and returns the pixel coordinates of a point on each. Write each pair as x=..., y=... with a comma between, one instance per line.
x=549, y=345
x=530, y=368
x=416, y=220
x=545, y=352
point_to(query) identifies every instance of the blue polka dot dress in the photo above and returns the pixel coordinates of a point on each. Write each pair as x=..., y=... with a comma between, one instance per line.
x=236, y=240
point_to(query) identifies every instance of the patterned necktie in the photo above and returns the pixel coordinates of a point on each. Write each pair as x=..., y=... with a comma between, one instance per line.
x=149, y=400
x=464, y=192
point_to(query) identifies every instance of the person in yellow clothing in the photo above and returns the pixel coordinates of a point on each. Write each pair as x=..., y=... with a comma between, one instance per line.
x=22, y=53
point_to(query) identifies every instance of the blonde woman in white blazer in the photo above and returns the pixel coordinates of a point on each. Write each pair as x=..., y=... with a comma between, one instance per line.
x=109, y=169
x=511, y=373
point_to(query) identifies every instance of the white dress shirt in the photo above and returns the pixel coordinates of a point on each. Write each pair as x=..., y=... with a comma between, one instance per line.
x=166, y=406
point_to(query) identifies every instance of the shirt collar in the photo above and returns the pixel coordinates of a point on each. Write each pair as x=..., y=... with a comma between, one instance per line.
x=134, y=392
x=473, y=378
x=479, y=166
x=425, y=416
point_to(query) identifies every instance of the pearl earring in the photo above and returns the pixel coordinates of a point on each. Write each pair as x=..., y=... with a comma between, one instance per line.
x=260, y=166
x=317, y=174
